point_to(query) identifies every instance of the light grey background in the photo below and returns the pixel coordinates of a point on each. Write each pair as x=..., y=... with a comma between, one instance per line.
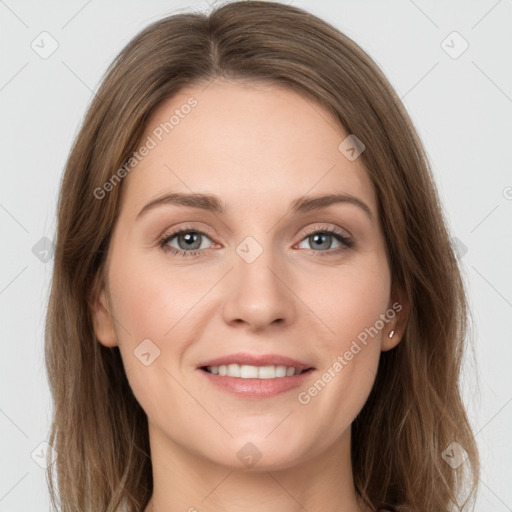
x=461, y=106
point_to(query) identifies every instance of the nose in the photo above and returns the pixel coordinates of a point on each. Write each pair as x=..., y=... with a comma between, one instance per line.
x=259, y=294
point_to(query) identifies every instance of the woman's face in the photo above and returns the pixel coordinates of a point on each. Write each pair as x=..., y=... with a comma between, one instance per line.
x=249, y=276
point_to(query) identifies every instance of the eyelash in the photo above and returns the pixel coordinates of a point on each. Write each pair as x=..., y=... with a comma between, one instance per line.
x=340, y=237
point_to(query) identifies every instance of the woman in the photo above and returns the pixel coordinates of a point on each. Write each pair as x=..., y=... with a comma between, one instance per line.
x=255, y=304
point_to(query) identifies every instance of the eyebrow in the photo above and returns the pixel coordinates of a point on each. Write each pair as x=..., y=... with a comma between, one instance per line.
x=215, y=204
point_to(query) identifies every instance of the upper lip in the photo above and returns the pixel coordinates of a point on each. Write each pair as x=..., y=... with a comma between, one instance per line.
x=256, y=360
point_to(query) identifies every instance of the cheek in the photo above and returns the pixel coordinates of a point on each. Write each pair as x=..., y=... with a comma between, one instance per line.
x=149, y=301
x=352, y=303
x=150, y=311
x=351, y=300
x=146, y=309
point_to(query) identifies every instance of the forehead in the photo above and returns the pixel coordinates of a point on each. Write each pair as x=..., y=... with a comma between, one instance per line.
x=244, y=141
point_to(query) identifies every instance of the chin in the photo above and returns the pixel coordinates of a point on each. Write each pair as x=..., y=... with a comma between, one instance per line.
x=255, y=453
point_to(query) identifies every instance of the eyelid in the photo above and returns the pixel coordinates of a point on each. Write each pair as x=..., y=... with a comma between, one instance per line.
x=325, y=227
x=171, y=232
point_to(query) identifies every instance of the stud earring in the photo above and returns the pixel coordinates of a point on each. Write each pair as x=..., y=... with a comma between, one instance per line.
x=390, y=335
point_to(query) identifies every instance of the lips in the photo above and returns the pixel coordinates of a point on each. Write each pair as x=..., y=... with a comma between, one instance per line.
x=234, y=374
x=256, y=389
x=244, y=358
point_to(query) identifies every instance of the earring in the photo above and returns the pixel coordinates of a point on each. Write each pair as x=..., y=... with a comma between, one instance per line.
x=390, y=335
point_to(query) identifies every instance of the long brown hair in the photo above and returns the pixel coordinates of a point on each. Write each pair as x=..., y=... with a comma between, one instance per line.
x=414, y=412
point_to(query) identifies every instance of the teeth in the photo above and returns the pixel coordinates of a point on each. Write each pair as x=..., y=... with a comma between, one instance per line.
x=253, y=372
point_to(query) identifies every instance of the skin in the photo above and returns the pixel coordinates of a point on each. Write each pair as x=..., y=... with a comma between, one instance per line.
x=257, y=147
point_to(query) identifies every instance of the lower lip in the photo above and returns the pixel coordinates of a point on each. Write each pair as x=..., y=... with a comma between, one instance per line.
x=257, y=388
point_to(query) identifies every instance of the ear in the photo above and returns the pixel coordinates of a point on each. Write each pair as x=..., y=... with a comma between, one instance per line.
x=399, y=303
x=103, y=321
